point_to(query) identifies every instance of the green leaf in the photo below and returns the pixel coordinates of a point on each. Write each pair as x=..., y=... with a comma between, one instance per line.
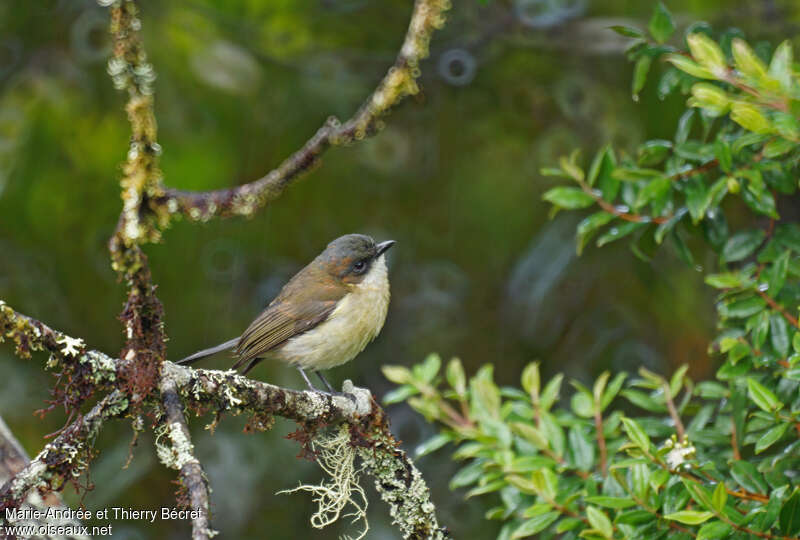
x=582, y=405
x=778, y=147
x=487, y=488
x=689, y=517
x=397, y=374
x=612, y=390
x=789, y=519
x=699, y=493
x=618, y=231
x=779, y=334
x=714, y=530
x=668, y=225
x=550, y=392
x=589, y=226
x=531, y=381
x=707, y=53
x=723, y=152
x=569, y=165
x=776, y=273
x=747, y=476
x=750, y=117
x=727, y=280
x=653, y=152
x=697, y=199
x=689, y=66
x=636, y=434
x=627, y=31
x=532, y=434
x=771, y=437
x=720, y=497
x=746, y=60
x=739, y=309
x=401, y=393
x=428, y=369
x=568, y=197
x=433, y=444
x=599, y=520
x=640, y=71
x=610, y=502
x=635, y=517
x=653, y=190
x=661, y=26
x=567, y=524
x=600, y=386
x=456, y=377
x=467, y=475
x=582, y=449
x=535, y=525
x=762, y=396
x=677, y=379
x=525, y=485
x=710, y=97
x=742, y=244
x=609, y=186
x=640, y=399
x=780, y=68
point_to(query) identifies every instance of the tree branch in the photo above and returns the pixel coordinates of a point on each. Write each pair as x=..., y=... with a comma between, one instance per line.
x=180, y=456
x=12, y=460
x=205, y=391
x=65, y=458
x=399, y=82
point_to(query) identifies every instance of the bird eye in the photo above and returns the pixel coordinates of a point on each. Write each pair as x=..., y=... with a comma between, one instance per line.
x=359, y=267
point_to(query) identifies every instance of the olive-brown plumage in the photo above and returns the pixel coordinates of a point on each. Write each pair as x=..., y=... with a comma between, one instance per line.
x=324, y=316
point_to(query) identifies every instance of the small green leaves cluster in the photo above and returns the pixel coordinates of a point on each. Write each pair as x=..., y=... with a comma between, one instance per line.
x=651, y=456
x=581, y=468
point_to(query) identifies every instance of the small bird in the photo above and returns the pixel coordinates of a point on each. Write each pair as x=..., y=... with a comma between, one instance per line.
x=324, y=316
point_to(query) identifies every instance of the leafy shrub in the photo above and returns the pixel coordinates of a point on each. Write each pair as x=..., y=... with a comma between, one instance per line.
x=715, y=459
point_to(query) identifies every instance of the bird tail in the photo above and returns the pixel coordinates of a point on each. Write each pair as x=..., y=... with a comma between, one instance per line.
x=208, y=352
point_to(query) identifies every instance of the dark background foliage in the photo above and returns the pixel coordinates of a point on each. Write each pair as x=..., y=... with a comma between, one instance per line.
x=479, y=271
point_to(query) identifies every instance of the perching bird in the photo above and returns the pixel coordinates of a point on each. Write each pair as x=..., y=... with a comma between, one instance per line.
x=324, y=316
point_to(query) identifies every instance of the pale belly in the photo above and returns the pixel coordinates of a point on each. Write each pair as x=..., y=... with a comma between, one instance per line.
x=355, y=322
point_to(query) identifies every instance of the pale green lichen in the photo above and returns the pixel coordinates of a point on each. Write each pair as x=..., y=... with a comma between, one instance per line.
x=409, y=500
x=337, y=458
x=178, y=451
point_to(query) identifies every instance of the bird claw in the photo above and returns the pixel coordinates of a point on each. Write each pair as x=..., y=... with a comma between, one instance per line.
x=347, y=395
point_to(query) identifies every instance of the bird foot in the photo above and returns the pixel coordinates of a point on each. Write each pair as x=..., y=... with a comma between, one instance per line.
x=347, y=395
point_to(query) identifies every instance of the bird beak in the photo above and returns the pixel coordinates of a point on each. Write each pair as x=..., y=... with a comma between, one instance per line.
x=383, y=247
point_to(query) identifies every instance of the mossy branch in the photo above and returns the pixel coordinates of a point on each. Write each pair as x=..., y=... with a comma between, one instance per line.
x=206, y=391
x=399, y=82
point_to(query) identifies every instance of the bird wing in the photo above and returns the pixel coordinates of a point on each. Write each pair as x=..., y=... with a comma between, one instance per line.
x=279, y=322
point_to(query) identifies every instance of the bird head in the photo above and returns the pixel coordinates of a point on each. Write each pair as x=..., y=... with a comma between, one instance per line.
x=350, y=258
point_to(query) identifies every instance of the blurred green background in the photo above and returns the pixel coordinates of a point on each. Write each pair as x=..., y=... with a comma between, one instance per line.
x=479, y=271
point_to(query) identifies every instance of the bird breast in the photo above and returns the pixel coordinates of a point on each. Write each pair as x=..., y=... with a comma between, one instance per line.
x=356, y=320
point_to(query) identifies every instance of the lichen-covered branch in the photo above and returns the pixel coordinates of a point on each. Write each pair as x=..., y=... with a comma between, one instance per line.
x=64, y=458
x=397, y=480
x=399, y=82
x=141, y=183
x=179, y=455
x=12, y=460
x=212, y=391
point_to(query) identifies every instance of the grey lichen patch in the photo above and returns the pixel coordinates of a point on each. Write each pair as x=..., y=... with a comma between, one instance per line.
x=103, y=367
x=313, y=405
x=401, y=485
x=178, y=451
x=363, y=404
